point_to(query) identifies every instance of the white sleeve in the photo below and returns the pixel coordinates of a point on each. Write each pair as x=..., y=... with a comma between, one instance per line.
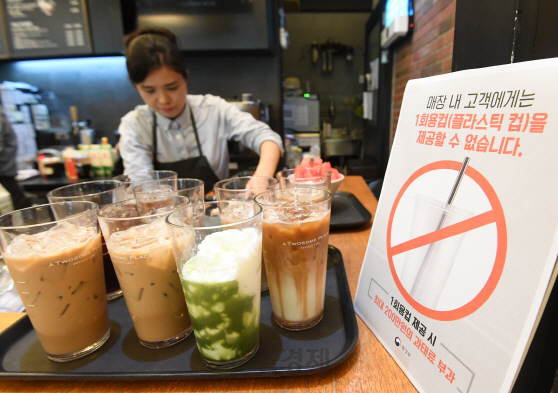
x=243, y=127
x=135, y=150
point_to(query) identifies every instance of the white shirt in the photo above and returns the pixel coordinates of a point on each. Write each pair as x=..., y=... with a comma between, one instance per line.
x=217, y=121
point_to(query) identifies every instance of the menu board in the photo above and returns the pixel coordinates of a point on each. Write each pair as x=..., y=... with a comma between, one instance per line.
x=3, y=47
x=462, y=254
x=46, y=27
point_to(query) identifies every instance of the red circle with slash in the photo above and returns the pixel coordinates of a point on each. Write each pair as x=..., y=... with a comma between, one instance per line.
x=496, y=216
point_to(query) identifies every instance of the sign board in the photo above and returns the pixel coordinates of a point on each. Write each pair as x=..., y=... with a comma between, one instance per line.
x=46, y=27
x=462, y=253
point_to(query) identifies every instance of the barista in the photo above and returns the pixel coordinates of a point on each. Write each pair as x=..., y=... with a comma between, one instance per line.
x=178, y=131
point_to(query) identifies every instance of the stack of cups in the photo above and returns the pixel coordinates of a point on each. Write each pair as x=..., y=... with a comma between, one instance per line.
x=217, y=247
x=103, y=193
x=53, y=253
x=140, y=248
x=243, y=189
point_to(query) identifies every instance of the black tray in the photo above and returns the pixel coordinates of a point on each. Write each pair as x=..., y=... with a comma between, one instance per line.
x=281, y=352
x=347, y=211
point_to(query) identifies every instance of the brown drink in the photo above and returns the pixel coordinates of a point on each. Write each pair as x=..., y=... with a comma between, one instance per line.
x=59, y=277
x=295, y=256
x=144, y=263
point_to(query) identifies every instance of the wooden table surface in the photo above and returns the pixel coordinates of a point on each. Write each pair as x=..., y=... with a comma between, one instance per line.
x=368, y=369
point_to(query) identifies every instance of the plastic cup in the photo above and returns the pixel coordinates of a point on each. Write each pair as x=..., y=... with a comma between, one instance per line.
x=287, y=179
x=141, y=252
x=103, y=193
x=53, y=253
x=132, y=180
x=295, y=242
x=217, y=247
x=245, y=188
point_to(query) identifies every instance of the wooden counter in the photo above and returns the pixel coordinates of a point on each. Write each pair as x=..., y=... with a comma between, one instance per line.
x=368, y=369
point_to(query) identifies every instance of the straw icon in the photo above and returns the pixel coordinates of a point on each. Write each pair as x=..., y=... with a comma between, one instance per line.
x=440, y=225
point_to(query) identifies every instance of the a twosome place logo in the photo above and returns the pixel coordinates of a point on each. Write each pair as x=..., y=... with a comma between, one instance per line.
x=397, y=341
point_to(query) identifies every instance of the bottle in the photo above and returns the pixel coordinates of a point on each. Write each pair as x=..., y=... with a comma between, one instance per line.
x=69, y=164
x=106, y=157
x=95, y=158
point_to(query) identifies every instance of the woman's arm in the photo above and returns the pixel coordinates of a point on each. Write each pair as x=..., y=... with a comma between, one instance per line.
x=270, y=153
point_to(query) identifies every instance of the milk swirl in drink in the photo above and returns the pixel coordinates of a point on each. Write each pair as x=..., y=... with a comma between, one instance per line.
x=59, y=277
x=222, y=287
x=295, y=254
x=295, y=234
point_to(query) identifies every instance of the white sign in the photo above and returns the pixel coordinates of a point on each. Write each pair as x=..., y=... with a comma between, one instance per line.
x=464, y=243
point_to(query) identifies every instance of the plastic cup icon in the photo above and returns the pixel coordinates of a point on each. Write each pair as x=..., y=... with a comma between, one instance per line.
x=103, y=193
x=53, y=253
x=295, y=242
x=141, y=252
x=426, y=269
x=217, y=247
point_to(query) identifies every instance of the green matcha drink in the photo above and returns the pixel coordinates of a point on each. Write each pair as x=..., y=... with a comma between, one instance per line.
x=222, y=288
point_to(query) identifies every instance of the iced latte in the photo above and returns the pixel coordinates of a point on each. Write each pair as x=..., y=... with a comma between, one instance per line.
x=58, y=274
x=142, y=256
x=145, y=267
x=295, y=246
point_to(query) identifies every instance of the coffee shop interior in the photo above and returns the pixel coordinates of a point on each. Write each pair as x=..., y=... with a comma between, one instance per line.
x=327, y=75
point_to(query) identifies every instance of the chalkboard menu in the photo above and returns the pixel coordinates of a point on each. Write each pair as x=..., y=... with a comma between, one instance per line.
x=38, y=28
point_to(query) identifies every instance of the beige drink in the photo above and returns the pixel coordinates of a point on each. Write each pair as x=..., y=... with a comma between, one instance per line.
x=295, y=255
x=145, y=266
x=59, y=277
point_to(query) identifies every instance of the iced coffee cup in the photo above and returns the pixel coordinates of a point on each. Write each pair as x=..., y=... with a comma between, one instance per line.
x=134, y=179
x=53, y=253
x=218, y=254
x=295, y=241
x=142, y=256
x=103, y=193
x=154, y=194
x=318, y=179
x=242, y=189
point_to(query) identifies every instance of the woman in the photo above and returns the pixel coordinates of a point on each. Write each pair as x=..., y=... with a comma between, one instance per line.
x=179, y=131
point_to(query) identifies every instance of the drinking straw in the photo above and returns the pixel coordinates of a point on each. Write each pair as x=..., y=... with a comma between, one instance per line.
x=441, y=222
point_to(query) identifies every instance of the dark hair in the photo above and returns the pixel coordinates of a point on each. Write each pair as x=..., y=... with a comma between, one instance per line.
x=149, y=48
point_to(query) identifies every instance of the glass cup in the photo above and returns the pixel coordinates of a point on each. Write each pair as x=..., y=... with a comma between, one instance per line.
x=156, y=190
x=217, y=247
x=53, y=253
x=103, y=193
x=245, y=188
x=295, y=237
x=154, y=195
x=132, y=180
x=141, y=252
x=288, y=178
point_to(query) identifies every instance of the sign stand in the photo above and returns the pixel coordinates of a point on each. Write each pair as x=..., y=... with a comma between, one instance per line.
x=455, y=288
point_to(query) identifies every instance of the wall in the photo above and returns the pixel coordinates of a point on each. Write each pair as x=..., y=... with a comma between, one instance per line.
x=100, y=89
x=427, y=52
x=342, y=82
